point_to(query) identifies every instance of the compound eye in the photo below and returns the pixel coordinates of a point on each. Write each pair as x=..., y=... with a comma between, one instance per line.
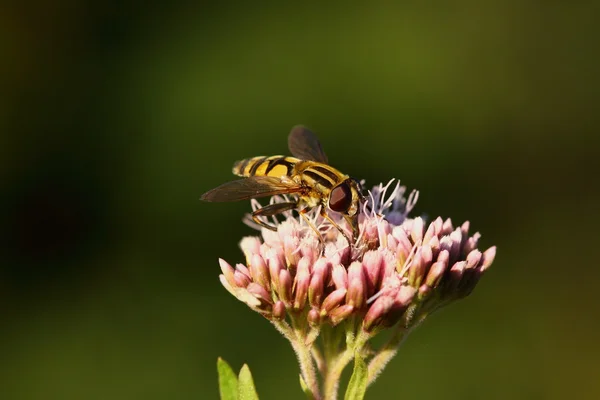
x=340, y=198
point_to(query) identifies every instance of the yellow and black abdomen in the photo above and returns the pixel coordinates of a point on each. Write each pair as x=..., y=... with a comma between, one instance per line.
x=276, y=166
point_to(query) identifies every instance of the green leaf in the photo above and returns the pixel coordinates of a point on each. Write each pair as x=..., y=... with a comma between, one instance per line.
x=246, y=389
x=305, y=389
x=228, y=382
x=358, y=382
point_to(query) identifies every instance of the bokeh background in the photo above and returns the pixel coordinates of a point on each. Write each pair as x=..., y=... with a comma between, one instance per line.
x=116, y=116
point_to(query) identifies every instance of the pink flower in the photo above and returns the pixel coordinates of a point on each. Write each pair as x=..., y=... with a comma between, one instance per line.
x=398, y=271
x=397, y=264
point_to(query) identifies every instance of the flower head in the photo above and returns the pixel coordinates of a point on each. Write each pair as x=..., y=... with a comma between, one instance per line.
x=397, y=269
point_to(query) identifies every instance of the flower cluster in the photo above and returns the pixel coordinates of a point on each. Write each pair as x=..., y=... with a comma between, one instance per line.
x=397, y=272
x=396, y=267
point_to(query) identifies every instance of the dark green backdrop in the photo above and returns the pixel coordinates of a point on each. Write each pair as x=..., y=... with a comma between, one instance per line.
x=115, y=117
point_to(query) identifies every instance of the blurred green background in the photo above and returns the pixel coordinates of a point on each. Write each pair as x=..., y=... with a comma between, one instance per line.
x=116, y=116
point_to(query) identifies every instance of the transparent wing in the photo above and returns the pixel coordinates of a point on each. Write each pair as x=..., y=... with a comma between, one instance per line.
x=249, y=188
x=303, y=144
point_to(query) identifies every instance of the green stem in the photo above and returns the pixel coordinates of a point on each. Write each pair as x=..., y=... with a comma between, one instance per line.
x=285, y=329
x=337, y=364
x=307, y=367
x=304, y=354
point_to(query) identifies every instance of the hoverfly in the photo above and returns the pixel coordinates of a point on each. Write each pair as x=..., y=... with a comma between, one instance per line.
x=307, y=175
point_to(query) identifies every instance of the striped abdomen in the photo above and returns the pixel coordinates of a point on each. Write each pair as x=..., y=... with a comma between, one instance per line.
x=276, y=166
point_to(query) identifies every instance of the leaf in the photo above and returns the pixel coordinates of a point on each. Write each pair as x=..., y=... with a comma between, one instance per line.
x=305, y=389
x=228, y=382
x=358, y=382
x=246, y=389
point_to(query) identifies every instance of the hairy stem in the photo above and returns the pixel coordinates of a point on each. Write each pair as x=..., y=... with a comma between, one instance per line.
x=303, y=351
x=338, y=363
x=307, y=367
x=285, y=329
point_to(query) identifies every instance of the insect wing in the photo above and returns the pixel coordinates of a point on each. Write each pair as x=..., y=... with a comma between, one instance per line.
x=303, y=144
x=250, y=188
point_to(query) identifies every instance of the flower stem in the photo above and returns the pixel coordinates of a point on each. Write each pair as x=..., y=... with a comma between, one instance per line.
x=304, y=354
x=307, y=367
x=338, y=363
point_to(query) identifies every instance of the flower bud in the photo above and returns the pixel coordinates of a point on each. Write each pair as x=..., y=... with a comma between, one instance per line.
x=357, y=285
x=471, y=243
x=333, y=300
x=434, y=245
x=455, y=275
x=315, y=289
x=275, y=265
x=314, y=318
x=488, y=258
x=260, y=293
x=383, y=230
x=284, y=289
x=473, y=259
x=438, y=224
x=424, y=291
x=447, y=244
x=447, y=227
x=301, y=283
x=404, y=245
x=241, y=279
x=417, y=231
x=444, y=256
x=340, y=313
x=435, y=274
x=456, y=237
x=259, y=272
x=373, y=268
x=279, y=310
x=464, y=228
x=405, y=296
x=401, y=302
x=426, y=255
x=275, y=255
x=430, y=233
x=228, y=271
x=378, y=310
x=323, y=267
x=243, y=270
x=339, y=276
x=416, y=269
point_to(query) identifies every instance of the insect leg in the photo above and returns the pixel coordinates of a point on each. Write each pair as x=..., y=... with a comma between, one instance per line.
x=309, y=222
x=271, y=209
x=353, y=221
x=339, y=228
